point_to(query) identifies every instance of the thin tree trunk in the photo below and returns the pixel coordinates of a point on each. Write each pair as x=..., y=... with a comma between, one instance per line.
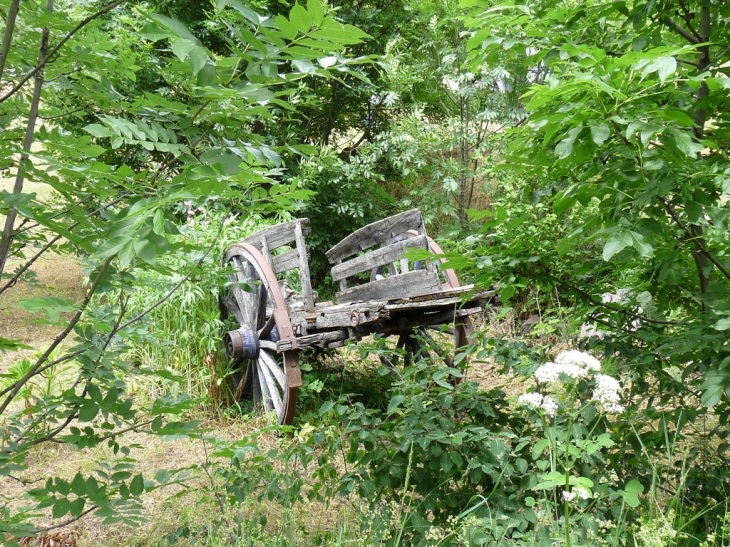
x=8, y=36
x=701, y=261
x=7, y=234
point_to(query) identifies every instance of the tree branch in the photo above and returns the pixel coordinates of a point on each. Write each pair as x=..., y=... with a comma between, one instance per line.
x=55, y=50
x=697, y=241
x=684, y=33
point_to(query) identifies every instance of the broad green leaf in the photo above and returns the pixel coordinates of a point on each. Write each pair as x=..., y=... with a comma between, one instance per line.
x=288, y=30
x=685, y=142
x=642, y=246
x=713, y=388
x=98, y=130
x=617, y=243
x=395, y=403
x=88, y=411
x=51, y=306
x=154, y=32
x=564, y=148
x=61, y=507
x=316, y=11
x=182, y=47
x=300, y=18
x=174, y=26
x=722, y=324
x=600, y=133
x=136, y=487
x=198, y=59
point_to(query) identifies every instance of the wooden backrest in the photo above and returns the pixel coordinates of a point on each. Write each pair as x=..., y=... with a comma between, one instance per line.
x=378, y=247
x=287, y=233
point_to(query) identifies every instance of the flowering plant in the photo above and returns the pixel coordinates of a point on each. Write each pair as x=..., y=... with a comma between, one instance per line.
x=571, y=408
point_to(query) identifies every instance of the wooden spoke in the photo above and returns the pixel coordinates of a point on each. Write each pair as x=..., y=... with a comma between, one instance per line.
x=248, y=304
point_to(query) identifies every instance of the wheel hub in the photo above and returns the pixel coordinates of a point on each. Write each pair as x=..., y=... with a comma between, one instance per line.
x=241, y=343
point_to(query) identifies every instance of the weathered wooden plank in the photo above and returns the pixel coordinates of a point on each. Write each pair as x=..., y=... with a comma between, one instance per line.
x=378, y=257
x=304, y=268
x=348, y=315
x=399, y=286
x=375, y=233
x=434, y=304
x=323, y=339
x=266, y=251
x=281, y=234
x=286, y=261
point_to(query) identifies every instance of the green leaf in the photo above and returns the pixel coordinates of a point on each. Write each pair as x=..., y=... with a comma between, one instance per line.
x=198, y=59
x=50, y=305
x=300, y=18
x=61, y=507
x=722, y=324
x=600, y=133
x=395, y=403
x=316, y=11
x=88, y=411
x=564, y=148
x=136, y=487
x=288, y=30
x=77, y=507
x=663, y=66
x=714, y=386
x=154, y=32
x=182, y=48
x=618, y=242
x=175, y=26
x=12, y=345
x=642, y=246
x=98, y=130
x=78, y=485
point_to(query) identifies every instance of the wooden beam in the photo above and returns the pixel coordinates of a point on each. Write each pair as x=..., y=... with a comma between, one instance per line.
x=279, y=235
x=378, y=257
x=376, y=233
x=413, y=283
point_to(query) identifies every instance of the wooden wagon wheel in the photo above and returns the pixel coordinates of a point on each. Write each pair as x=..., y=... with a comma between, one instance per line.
x=254, y=298
x=418, y=343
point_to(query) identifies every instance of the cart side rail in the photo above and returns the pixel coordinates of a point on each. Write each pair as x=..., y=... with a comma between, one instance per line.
x=376, y=269
x=294, y=234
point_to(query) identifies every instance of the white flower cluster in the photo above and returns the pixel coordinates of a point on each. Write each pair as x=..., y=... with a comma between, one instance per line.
x=606, y=393
x=579, y=492
x=574, y=364
x=537, y=400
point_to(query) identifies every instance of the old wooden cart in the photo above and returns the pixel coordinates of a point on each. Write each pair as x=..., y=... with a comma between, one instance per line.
x=270, y=298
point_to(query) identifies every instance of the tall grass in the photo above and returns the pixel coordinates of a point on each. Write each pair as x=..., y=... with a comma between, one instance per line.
x=183, y=334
